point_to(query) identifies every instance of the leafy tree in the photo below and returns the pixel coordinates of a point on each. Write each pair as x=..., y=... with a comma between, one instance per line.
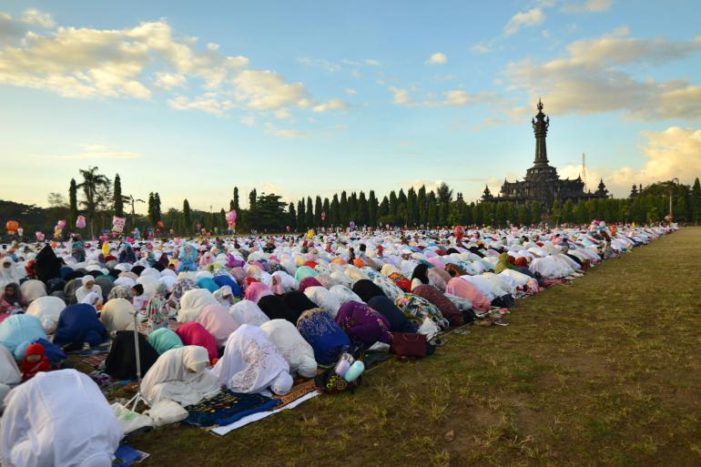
x=92, y=182
x=696, y=201
x=118, y=199
x=252, y=198
x=373, y=206
x=363, y=210
x=393, y=203
x=292, y=216
x=344, y=213
x=325, y=209
x=318, y=207
x=335, y=211
x=56, y=200
x=301, y=215
x=445, y=196
x=73, y=202
x=422, y=205
x=187, y=217
x=309, y=213
x=236, y=199
x=412, y=207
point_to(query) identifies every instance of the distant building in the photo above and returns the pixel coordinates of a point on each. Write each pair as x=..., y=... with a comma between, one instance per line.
x=542, y=183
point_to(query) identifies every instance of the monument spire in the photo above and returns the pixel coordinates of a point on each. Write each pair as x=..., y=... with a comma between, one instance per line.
x=540, y=122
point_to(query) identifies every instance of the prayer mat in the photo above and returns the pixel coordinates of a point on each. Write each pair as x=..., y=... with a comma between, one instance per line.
x=127, y=455
x=297, y=392
x=226, y=408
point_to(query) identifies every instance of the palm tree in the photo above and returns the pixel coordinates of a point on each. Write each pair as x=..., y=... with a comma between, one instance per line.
x=132, y=201
x=92, y=182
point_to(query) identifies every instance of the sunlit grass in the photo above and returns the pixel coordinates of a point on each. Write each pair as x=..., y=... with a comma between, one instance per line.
x=604, y=371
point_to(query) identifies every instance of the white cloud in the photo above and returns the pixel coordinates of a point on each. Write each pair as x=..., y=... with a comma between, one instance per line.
x=209, y=104
x=267, y=90
x=169, y=81
x=100, y=151
x=372, y=62
x=35, y=17
x=320, y=63
x=482, y=47
x=248, y=120
x=333, y=104
x=532, y=17
x=438, y=58
x=592, y=78
x=287, y=133
x=674, y=152
x=588, y=6
x=400, y=96
x=450, y=98
x=350, y=91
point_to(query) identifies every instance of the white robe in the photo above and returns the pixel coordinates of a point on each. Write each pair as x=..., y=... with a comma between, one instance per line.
x=31, y=290
x=181, y=375
x=324, y=299
x=296, y=351
x=118, y=315
x=248, y=312
x=193, y=302
x=58, y=418
x=251, y=363
x=83, y=291
x=48, y=310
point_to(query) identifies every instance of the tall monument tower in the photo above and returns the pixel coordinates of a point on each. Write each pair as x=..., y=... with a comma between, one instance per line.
x=540, y=123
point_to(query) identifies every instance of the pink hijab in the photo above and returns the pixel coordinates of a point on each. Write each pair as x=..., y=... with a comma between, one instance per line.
x=194, y=333
x=308, y=282
x=217, y=320
x=463, y=289
x=256, y=291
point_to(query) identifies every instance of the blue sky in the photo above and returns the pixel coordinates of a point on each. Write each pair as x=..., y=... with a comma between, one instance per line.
x=305, y=98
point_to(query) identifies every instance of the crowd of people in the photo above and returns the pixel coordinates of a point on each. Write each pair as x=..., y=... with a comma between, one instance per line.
x=248, y=313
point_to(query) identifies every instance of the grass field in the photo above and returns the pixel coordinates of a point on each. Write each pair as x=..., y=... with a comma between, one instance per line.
x=603, y=371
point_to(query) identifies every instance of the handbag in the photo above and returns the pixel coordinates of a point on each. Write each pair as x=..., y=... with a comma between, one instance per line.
x=406, y=344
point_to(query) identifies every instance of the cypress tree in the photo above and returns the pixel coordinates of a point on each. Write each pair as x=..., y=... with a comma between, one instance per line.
x=187, y=217
x=73, y=202
x=422, y=205
x=372, y=209
x=301, y=215
x=118, y=199
x=309, y=213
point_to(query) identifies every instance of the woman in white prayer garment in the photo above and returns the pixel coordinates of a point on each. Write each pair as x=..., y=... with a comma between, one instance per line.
x=181, y=375
x=58, y=418
x=252, y=364
x=297, y=351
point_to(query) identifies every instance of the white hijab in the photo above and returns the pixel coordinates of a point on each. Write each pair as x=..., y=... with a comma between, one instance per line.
x=296, y=351
x=48, y=310
x=181, y=375
x=193, y=302
x=31, y=290
x=248, y=312
x=9, y=371
x=118, y=315
x=58, y=418
x=251, y=363
x=324, y=299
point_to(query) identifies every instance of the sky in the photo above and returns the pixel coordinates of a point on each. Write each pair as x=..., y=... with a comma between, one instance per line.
x=189, y=99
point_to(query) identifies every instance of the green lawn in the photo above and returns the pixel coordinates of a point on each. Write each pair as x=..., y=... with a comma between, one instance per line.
x=603, y=371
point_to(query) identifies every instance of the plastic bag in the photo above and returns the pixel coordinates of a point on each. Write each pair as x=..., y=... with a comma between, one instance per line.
x=165, y=412
x=130, y=420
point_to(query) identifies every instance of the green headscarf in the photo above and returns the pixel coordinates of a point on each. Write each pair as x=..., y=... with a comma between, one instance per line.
x=163, y=339
x=503, y=263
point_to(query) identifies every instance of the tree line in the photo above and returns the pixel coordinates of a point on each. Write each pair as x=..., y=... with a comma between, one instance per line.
x=98, y=198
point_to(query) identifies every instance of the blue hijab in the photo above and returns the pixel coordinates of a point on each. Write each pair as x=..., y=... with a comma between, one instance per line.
x=325, y=336
x=78, y=324
x=226, y=280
